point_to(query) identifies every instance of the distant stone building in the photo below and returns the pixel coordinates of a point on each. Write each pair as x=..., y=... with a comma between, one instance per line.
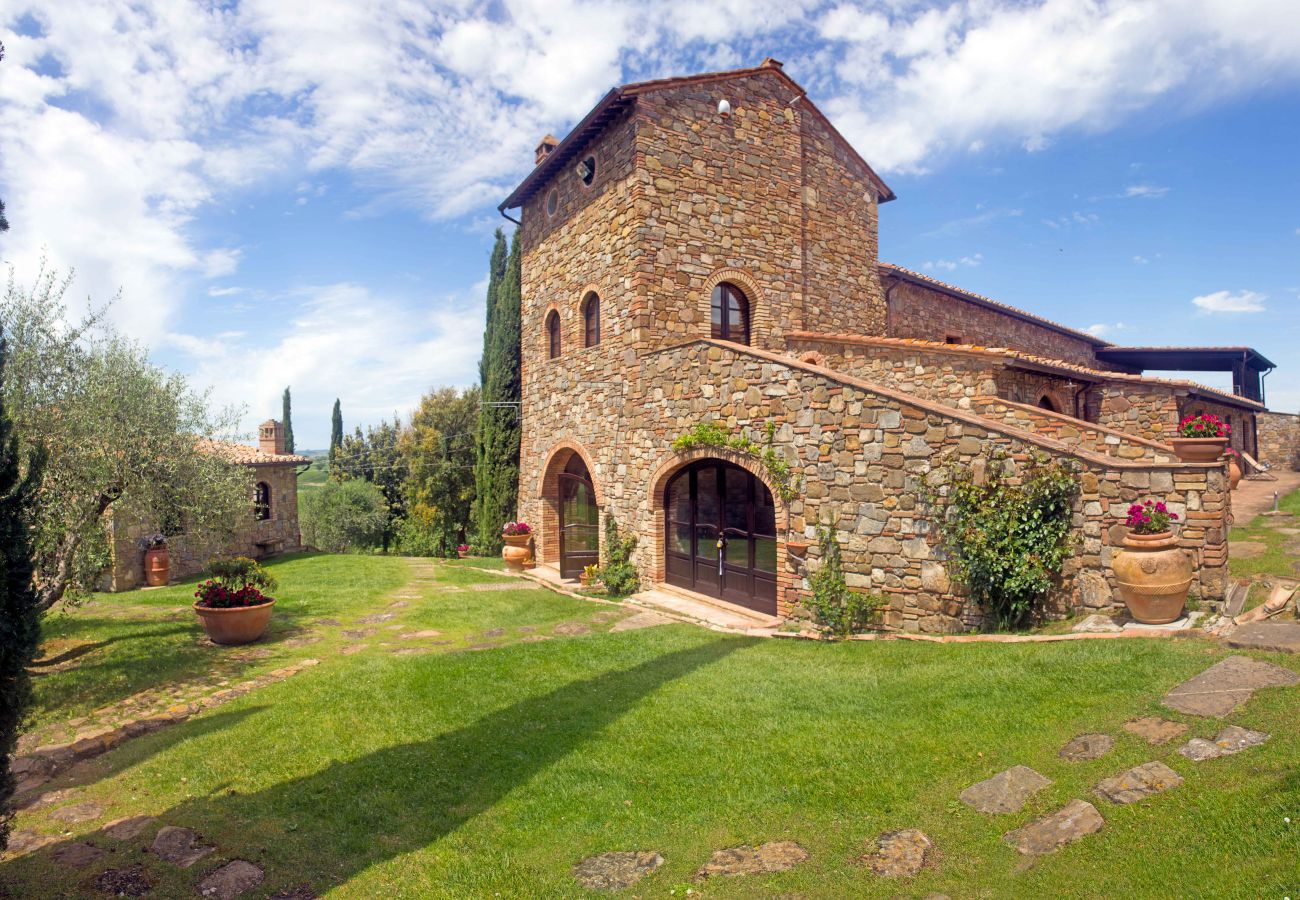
x=705, y=249
x=272, y=525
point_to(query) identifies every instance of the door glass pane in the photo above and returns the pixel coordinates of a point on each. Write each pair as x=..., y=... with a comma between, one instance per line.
x=765, y=554
x=706, y=543
x=738, y=552
x=706, y=496
x=736, y=499
x=681, y=537
x=764, y=511
x=679, y=499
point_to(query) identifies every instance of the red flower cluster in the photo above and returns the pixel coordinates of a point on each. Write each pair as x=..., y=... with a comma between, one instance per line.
x=1151, y=517
x=1206, y=425
x=215, y=595
x=514, y=528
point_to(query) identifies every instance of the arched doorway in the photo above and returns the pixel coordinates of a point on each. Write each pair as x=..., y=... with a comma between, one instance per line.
x=721, y=534
x=579, y=519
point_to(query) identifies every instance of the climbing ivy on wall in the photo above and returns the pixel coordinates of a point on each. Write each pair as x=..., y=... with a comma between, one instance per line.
x=710, y=434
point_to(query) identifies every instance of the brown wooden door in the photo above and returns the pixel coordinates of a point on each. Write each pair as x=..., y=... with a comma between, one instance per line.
x=721, y=535
x=579, y=520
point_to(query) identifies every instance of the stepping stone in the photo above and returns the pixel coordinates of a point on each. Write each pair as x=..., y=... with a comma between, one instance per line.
x=899, y=854
x=352, y=648
x=356, y=634
x=1075, y=820
x=78, y=813
x=534, y=638
x=419, y=635
x=128, y=829
x=25, y=841
x=1199, y=750
x=571, y=628
x=133, y=881
x=1138, y=783
x=1280, y=637
x=234, y=878
x=331, y=623
x=638, y=621
x=773, y=857
x=605, y=615
x=1226, y=685
x=617, y=870
x=1005, y=792
x=507, y=586
x=77, y=855
x=178, y=845
x=1232, y=739
x=494, y=632
x=1096, y=624
x=1246, y=549
x=1087, y=746
x=297, y=892
x=1155, y=729
x=376, y=618
x=398, y=604
x=302, y=641
x=411, y=651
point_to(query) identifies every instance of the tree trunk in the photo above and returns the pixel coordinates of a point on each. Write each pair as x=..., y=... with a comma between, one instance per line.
x=51, y=590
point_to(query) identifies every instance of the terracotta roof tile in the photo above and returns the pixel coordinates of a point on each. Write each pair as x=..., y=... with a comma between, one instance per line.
x=245, y=455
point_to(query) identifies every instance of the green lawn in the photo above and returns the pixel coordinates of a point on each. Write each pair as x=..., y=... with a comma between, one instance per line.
x=491, y=773
x=1276, y=559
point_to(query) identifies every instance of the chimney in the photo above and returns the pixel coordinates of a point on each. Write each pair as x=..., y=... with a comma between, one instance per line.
x=770, y=63
x=545, y=148
x=270, y=437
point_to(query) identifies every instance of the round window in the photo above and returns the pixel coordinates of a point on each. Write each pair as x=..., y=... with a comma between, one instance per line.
x=552, y=201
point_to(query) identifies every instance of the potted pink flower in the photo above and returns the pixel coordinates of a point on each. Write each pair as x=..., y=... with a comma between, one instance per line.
x=1201, y=438
x=462, y=551
x=518, y=549
x=231, y=604
x=1153, y=574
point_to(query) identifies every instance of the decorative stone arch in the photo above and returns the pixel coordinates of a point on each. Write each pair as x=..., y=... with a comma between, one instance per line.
x=673, y=463
x=1057, y=401
x=812, y=358
x=548, y=491
x=760, y=314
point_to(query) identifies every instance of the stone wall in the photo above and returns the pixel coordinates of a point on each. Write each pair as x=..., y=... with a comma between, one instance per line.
x=187, y=554
x=863, y=452
x=1070, y=431
x=916, y=311
x=1279, y=440
x=1148, y=412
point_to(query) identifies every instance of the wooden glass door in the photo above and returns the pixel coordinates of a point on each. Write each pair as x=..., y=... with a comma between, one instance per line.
x=579, y=520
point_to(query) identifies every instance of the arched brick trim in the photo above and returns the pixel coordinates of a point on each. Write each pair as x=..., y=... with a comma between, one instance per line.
x=760, y=315
x=547, y=542
x=1057, y=399
x=545, y=333
x=812, y=358
x=669, y=466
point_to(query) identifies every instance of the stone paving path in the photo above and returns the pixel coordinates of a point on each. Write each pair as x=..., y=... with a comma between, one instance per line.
x=1226, y=685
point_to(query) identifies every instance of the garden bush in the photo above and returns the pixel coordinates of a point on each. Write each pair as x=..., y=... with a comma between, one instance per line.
x=344, y=515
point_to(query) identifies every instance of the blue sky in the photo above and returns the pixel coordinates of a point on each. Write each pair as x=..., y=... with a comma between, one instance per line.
x=308, y=198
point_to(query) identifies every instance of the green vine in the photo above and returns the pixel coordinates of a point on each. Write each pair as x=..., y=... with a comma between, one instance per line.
x=837, y=608
x=1008, y=534
x=710, y=434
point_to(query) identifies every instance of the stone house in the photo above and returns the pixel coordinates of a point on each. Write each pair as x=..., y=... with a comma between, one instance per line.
x=705, y=249
x=272, y=526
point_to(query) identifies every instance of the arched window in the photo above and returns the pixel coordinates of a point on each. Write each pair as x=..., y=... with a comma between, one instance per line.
x=262, y=501
x=1046, y=402
x=729, y=313
x=553, y=333
x=591, y=319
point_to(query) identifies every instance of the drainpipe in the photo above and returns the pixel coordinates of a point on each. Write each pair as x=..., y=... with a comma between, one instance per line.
x=505, y=215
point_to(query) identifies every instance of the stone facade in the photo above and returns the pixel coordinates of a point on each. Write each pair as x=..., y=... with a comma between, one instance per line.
x=771, y=199
x=1279, y=440
x=270, y=530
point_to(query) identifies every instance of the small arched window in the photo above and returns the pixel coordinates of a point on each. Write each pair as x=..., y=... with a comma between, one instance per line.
x=591, y=319
x=553, y=333
x=729, y=313
x=262, y=501
x=1046, y=402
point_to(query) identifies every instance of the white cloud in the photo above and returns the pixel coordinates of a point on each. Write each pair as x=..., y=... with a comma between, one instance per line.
x=949, y=265
x=1141, y=260
x=1102, y=329
x=1229, y=302
x=1149, y=191
x=1086, y=220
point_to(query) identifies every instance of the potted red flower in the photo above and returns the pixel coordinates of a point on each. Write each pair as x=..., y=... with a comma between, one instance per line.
x=1201, y=438
x=1152, y=572
x=518, y=549
x=157, y=561
x=231, y=604
x=462, y=551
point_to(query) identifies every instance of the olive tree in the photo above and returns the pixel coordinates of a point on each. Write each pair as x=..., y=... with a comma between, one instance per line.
x=120, y=436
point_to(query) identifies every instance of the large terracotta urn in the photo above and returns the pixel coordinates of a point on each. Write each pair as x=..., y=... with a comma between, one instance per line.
x=518, y=552
x=1153, y=575
x=236, y=625
x=1201, y=450
x=1234, y=473
x=157, y=567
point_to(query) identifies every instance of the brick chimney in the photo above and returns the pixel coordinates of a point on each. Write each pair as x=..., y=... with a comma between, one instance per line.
x=770, y=63
x=270, y=437
x=544, y=149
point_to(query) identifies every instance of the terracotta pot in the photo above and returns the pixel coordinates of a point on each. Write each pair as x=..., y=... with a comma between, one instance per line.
x=238, y=625
x=157, y=567
x=462, y=554
x=1199, y=449
x=584, y=579
x=1234, y=473
x=518, y=552
x=1153, y=575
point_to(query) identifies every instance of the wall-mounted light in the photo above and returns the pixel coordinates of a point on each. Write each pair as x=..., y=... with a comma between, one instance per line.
x=724, y=109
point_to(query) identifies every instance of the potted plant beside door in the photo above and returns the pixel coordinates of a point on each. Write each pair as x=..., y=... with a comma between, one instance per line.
x=518, y=550
x=1152, y=572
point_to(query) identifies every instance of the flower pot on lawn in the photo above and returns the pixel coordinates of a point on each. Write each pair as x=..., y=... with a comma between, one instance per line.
x=1153, y=575
x=236, y=624
x=1200, y=450
x=157, y=567
x=518, y=552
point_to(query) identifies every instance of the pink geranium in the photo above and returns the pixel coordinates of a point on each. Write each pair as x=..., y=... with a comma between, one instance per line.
x=1150, y=517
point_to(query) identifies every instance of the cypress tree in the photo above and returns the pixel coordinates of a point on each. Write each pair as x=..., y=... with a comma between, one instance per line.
x=288, y=422
x=19, y=604
x=496, y=479
x=336, y=431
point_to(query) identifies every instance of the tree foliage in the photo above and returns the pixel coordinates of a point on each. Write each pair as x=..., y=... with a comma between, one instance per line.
x=438, y=448
x=344, y=515
x=377, y=457
x=287, y=416
x=1007, y=533
x=496, y=476
x=336, y=432
x=20, y=476
x=121, y=436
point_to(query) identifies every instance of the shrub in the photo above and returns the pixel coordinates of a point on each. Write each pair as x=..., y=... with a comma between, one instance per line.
x=836, y=608
x=240, y=571
x=1008, y=537
x=618, y=573
x=344, y=515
